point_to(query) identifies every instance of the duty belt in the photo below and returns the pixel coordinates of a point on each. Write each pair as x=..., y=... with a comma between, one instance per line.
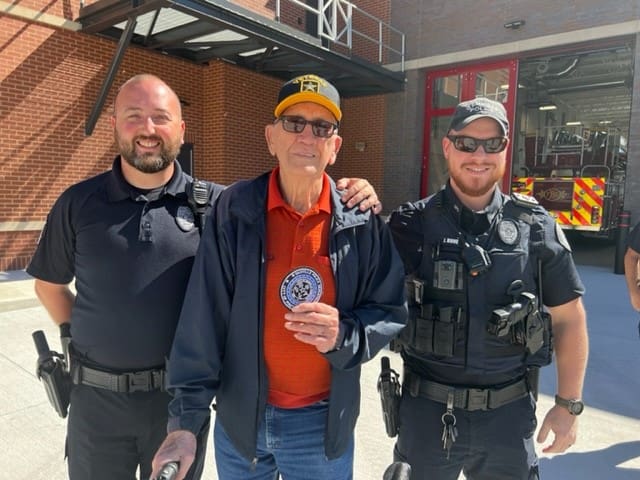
x=129, y=382
x=465, y=398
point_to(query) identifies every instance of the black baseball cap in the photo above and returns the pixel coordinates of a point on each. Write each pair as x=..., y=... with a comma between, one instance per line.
x=481, y=107
x=309, y=88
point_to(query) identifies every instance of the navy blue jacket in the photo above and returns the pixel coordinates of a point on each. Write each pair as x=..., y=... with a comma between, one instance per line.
x=218, y=351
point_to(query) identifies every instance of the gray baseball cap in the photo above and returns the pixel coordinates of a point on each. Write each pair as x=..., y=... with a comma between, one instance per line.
x=467, y=112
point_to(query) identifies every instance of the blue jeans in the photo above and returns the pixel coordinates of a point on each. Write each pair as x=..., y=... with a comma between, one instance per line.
x=290, y=444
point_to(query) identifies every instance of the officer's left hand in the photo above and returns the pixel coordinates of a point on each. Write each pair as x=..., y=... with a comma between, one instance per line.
x=314, y=323
x=359, y=190
x=564, y=426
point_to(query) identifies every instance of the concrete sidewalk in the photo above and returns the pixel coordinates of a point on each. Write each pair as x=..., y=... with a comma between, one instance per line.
x=608, y=448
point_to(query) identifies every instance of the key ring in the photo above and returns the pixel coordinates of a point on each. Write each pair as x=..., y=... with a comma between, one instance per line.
x=447, y=414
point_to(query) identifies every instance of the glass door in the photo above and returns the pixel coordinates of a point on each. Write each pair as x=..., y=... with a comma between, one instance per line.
x=445, y=89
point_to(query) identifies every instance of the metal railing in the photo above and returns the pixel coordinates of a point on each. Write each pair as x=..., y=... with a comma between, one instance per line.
x=337, y=22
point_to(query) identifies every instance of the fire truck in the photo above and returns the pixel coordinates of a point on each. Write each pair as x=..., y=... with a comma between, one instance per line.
x=576, y=173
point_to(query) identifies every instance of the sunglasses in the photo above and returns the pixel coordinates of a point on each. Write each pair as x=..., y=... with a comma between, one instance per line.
x=470, y=144
x=320, y=128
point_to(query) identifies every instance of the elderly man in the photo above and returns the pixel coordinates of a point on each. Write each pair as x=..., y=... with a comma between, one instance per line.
x=291, y=292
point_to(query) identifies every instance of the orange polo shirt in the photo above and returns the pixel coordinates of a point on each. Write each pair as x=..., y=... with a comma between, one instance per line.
x=298, y=374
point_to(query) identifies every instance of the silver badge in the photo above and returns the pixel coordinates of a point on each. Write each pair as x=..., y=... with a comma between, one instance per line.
x=508, y=232
x=185, y=219
x=301, y=285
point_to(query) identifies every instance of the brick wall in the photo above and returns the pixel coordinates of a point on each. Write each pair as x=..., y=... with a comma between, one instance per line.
x=239, y=103
x=16, y=249
x=363, y=123
x=67, y=9
x=266, y=8
x=50, y=80
x=403, y=134
x=443, y=26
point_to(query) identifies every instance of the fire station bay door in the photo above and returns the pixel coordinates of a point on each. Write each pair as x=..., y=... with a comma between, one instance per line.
x=444, y=90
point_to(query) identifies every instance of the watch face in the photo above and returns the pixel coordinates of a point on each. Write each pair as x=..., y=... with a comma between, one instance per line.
x=576, y=407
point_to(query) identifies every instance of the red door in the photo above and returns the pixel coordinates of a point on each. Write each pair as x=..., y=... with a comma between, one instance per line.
x=445, y=89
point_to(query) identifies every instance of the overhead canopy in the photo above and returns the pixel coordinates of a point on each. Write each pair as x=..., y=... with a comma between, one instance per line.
x=201, y=31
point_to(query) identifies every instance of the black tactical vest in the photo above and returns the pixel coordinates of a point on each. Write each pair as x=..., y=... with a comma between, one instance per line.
x=462, y=281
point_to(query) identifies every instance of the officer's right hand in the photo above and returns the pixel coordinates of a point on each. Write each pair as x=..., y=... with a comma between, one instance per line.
x=179, y=446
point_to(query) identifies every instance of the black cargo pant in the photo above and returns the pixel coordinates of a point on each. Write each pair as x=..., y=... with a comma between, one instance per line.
x=110, y=435
x=491, y=445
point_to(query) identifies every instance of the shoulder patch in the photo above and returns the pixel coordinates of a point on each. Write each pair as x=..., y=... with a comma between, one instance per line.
x=523, y=200
x=562, y=238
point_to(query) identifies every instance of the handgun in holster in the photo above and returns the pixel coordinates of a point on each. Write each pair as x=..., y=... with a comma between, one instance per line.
x=389, y=390
x=52, y=370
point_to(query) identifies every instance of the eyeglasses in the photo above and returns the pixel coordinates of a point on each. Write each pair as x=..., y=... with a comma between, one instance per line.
x=470, y=144
x=320, y=128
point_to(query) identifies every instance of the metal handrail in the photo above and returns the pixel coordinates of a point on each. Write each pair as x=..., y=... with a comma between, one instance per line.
x=335, y=20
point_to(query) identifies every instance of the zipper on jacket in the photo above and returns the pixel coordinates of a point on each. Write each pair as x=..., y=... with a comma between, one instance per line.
x=259, y=359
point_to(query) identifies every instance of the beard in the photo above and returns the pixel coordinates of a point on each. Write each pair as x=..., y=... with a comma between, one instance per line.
x=477, y=187
x=148, y=162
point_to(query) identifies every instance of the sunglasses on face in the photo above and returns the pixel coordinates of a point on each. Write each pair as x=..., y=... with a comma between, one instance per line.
x=470, y=144
x=320, y=128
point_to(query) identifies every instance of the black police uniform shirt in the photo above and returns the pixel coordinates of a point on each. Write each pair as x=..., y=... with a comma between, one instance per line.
x=131, y=253
x=479, y=358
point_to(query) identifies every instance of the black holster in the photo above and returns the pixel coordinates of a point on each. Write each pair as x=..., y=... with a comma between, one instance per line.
x=389, y=390
x=52, y=372
x=533, y=379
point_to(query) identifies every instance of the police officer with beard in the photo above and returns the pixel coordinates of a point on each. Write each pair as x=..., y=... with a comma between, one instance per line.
x=490, y=279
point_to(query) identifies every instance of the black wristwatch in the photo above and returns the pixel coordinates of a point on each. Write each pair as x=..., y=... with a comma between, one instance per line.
x=575, y=406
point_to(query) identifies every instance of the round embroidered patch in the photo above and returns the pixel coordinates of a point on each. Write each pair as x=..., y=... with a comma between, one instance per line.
x=301, y=285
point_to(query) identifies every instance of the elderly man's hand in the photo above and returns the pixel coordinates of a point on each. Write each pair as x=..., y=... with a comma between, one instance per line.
x=359, y=190
x=314, y=323
x=179, y=446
